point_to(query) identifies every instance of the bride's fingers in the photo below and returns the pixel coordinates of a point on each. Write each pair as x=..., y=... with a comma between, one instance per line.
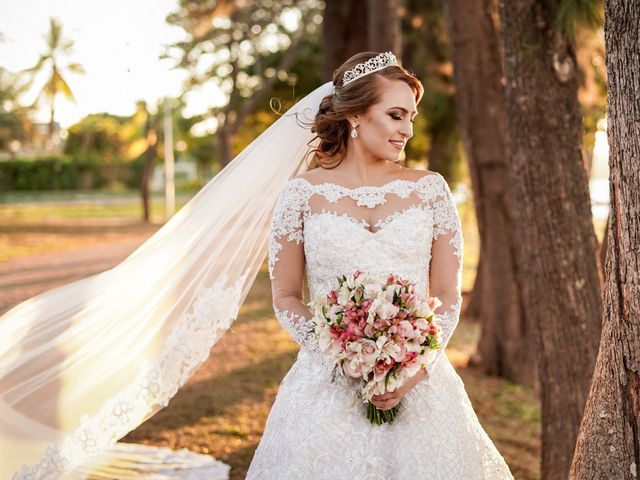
x=383, y=401
x=386, y=396
x=385, y=405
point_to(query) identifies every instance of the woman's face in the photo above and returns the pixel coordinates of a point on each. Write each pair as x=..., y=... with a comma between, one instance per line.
x=384, y=129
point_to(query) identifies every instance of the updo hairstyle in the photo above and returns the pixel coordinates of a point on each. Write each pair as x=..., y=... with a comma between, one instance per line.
x=331, y=125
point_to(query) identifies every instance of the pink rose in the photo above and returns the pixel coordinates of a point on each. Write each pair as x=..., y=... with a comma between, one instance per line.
x=369, y=330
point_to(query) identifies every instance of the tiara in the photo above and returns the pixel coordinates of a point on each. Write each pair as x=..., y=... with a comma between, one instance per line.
x=374, y=64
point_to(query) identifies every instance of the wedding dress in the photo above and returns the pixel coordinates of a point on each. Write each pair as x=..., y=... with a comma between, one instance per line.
x=85, y=363
x=316, y=430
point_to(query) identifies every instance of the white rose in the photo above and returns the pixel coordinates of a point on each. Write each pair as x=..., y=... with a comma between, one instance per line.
x=369, y=352
x=387, y=311
x=351, y=364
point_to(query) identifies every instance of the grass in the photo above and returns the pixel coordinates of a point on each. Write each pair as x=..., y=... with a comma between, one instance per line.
x=33, y=223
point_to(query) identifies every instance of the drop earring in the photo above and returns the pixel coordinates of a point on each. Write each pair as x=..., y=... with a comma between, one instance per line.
x=354, y=133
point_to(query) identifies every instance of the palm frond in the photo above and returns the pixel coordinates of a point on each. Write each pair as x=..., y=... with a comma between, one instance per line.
x=76, y=68
x=54, y=35
x=62, y=86
x=38, y=66
x=67, y=46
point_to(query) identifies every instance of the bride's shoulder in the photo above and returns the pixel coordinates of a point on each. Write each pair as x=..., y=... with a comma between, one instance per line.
x=312, y=176
x=318, y=175
x=416, y=175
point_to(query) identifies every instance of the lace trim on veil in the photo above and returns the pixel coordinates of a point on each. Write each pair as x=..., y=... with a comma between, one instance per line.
x=186, y=347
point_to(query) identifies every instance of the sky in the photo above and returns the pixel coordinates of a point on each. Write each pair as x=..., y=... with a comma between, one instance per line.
x=118, y=42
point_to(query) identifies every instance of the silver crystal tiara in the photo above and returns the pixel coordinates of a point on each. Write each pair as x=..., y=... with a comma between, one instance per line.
x=374, y=64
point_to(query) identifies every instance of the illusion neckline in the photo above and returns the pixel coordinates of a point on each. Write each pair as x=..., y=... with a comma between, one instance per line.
x=370, y=187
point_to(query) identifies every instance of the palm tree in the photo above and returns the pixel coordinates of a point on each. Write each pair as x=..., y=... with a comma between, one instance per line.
x=50, y=62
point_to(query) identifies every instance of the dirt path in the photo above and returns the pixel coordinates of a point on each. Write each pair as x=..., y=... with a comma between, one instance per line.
x=24, y=277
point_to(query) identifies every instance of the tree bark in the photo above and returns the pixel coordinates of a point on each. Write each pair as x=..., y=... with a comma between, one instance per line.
x=556, y=256
x=352, y=26
x=604, y=246
x=343, y=35
x=384, y=27
x=504, y=348
x=608, y=445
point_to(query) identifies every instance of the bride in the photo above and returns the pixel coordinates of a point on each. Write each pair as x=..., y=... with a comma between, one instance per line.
x=362, y=211
x=84, y=364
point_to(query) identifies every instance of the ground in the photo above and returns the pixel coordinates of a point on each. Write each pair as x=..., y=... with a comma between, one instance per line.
x=223, y=408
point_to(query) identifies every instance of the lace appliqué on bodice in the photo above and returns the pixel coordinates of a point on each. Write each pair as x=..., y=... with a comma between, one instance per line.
x=323, y=230
x=317, y=428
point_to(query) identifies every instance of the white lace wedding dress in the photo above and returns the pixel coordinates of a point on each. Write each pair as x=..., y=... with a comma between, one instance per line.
x=315, y=429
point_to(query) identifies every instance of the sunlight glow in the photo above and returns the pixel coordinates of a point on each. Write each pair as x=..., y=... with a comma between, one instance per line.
x=118, y=43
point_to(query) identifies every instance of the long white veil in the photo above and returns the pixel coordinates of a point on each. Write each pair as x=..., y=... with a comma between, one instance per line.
x=84, y=364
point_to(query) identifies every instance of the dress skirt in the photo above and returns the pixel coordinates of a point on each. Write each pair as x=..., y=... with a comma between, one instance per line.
x=317, y=430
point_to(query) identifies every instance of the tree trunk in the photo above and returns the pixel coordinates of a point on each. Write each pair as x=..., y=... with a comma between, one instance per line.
x=384, y=27
x=504, y=348
x=52, y=124
x=473, y=304
x=608, y=445
x=556, y=258
x=150, y=156
x=441, y=151
x=343, y=35
x=224, y=146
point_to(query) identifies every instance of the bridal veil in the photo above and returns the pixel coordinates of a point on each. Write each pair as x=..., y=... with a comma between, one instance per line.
x=85, y=363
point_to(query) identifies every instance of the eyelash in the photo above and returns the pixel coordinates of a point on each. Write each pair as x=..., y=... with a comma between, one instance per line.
x=395, y=116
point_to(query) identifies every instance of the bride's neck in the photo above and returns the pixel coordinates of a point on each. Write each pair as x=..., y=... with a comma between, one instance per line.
x=365, y=168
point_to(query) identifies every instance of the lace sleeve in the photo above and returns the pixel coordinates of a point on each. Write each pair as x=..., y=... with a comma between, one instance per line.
x=286, y=264
x=445, y=270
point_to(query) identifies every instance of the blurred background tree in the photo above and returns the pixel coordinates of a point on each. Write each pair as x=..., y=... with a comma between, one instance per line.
x=15, y=123
x=244, y=48
x=52, y=65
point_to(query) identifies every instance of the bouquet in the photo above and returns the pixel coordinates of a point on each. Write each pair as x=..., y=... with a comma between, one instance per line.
x=378, y=332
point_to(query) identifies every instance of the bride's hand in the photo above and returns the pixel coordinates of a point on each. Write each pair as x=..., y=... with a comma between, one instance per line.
x=389, y=400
